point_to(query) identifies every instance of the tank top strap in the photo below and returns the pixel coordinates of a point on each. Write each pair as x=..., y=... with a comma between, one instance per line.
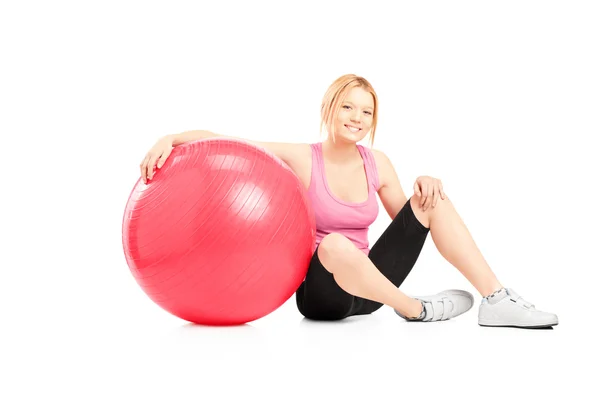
x=317, y=162
x=371, y=166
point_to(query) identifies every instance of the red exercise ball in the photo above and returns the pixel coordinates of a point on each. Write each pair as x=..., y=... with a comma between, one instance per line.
x=222, y=234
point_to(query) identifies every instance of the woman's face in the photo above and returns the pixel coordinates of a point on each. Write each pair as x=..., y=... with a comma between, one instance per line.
x=355, y=116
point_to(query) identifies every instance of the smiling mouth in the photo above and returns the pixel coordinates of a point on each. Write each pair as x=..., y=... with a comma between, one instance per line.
x=352, y=128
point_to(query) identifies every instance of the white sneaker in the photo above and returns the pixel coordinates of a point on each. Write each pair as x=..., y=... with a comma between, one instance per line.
x=444, y=305
x=507, y=308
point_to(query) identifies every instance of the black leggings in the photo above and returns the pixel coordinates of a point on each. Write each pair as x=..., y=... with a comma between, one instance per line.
x=394, y=254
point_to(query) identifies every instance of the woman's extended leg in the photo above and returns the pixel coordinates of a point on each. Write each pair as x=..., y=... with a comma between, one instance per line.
x=500, y=306
x=455, y=244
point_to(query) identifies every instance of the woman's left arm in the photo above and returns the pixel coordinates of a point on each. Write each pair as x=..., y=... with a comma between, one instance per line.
x=390, y=191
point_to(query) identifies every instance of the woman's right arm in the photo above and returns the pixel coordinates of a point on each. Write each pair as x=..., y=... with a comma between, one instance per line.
x=157, y=155
x=189, y=136
x=291, y=153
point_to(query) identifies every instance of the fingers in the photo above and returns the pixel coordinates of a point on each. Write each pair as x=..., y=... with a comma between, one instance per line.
x=156, y=158
x=147, y=167
x=428, y=198
x=435, y=193
x=429, y=191
x=163, y=158
x=416, y=189
x=143, y=168
x=424, y=191
x=151, y=165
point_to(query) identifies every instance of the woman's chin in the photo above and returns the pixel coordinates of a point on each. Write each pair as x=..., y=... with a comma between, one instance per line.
x=349, y=137
x=354, y=138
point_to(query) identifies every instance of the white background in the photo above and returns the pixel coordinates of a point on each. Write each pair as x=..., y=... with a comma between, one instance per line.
x=500, y=100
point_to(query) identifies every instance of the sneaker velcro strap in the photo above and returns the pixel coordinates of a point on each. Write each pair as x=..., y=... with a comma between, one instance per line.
x=515, y=297
x=447, y=309
x=438, y=310
x=524, y=303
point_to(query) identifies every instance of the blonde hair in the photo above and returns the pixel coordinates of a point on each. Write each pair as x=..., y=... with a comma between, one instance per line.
x=335, y=95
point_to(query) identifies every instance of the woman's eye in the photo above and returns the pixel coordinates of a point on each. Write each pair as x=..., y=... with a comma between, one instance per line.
x=348, y=108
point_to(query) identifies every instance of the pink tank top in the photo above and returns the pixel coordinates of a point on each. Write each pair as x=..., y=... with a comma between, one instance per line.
x=335, y=215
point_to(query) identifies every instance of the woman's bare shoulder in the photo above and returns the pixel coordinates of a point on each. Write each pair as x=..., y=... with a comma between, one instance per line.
x=380, y=157
x=385, y=168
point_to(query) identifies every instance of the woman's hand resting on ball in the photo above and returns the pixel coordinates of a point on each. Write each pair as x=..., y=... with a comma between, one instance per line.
x=156, y=157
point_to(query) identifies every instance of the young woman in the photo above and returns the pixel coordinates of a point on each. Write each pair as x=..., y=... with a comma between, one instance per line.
x=345, y=276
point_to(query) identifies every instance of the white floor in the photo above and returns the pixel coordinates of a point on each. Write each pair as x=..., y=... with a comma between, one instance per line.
x=112, y=348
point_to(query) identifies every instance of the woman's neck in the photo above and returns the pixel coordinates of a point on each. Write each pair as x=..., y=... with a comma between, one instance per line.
x=339, y=153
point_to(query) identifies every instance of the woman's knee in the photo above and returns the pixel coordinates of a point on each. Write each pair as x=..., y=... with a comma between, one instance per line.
x=333, y=249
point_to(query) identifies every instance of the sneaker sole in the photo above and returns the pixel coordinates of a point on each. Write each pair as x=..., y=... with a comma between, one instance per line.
x=497, y=325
